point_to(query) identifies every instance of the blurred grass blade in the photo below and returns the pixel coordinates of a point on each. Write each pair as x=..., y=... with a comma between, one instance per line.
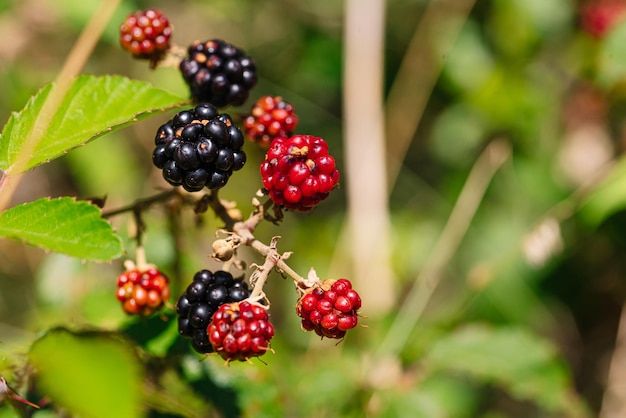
x=90, y=376
x=62, y=225
x=92, y=107
x=523, y=364
x=608, y=197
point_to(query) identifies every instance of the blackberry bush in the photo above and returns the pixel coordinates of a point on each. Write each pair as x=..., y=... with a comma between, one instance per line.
x=199, y=148
x=218, y=73
x=271, y=116
x=206, y=293
x=298, y=172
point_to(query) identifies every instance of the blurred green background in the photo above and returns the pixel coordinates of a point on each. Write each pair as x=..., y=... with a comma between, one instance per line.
x=525, y=320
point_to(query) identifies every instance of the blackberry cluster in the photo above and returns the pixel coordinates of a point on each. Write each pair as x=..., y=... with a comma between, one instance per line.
x=146, y=34
x=218, y=73
x=271, y=116
x=199, y=147
x=298, y=172
x=202, y=299
x=240, y=331
x=329, y=309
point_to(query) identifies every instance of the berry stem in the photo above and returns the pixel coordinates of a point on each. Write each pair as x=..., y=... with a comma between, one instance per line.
x=140, y=205
x=261, y=273
x=243, y=230
x=140, y=258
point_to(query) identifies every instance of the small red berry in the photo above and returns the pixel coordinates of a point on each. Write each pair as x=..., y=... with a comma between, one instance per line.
x=146, y=34
x=240, y=330
x=142, y=292
x=271, y=116
x=597, y=18
x=329, y=308
x=298, y=172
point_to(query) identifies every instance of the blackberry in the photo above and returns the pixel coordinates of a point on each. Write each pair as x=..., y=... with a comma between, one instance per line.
x=598, y=18
x=218, y=73
x=142, y=292
x=146, y=35
x=202, y=298
x=298, y=172
x=271, y=116
x=239, y=331
x=199, y=148
x=330, y=308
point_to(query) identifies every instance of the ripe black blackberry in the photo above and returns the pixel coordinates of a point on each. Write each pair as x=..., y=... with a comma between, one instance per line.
x=202, y=298
x=199, y=147
x=218, y=73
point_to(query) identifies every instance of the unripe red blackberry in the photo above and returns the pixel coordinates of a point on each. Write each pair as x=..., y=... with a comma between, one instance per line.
x=597, y=18
x=142, y=292
x=146, y=34
x=240, y=331
x=218, y=73
x=199, y=148
x=298, y=172
x=195, y=308
x=329, y=308
x=271, y=116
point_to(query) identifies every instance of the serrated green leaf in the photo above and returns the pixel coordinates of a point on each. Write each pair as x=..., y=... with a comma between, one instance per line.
x=62, y=225
x=89, y=375
x=522, y=363
x=92, y=107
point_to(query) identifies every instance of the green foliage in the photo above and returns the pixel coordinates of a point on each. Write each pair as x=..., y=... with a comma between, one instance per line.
x=63, y=225
x=92, y=107
x=515, y=72
x=608, y=197
x=526, y=366
x=79, y=371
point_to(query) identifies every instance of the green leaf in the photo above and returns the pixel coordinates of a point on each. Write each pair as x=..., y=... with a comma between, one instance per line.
x=62, y=225
x=90, y=375
x=520, y=362
x=92, y=107
x=608, y=197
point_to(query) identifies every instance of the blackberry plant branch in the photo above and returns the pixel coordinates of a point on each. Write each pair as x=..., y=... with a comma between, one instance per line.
x=261, y=273
x=143, y=204
x=242, y=230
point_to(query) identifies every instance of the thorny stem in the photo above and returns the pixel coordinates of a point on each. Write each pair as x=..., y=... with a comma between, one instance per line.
x=261, y=273
x=242, y=229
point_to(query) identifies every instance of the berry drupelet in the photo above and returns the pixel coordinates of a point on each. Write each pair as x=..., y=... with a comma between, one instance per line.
x=199, y=147
x=218, y=73
x=271, y=116
x=146, y=34
x=298, y=172
x=202, y=298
